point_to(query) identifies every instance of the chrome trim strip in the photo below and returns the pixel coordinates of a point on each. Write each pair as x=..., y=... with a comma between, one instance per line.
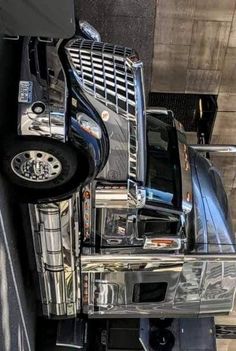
x=103, y=261
x=161, y=110
x=136, y=195
x=88, y=213
x=111, y=198
x=11, y=37
x=137, y=140
x=45, y=40
x=149, y=243
x=214, y=148
x=116, y=196
x=187, y=189
x=178, y=125
x=186, y=176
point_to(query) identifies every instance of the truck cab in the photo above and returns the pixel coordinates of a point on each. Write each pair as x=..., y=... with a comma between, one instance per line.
x=150, y=233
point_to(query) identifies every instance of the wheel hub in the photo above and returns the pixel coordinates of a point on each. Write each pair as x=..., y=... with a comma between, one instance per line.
x=36, y=166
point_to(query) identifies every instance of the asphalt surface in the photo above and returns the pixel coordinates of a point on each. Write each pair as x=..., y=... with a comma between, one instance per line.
x=17, y=302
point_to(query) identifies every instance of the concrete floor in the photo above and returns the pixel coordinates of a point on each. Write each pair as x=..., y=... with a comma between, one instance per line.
x=226, y=345
x=17, y=302
x=17, y=306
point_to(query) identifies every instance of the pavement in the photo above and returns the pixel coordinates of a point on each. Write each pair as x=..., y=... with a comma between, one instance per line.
x=17, y=302
x=17, y=309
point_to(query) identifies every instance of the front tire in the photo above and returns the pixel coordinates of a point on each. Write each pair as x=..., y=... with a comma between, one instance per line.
x=43, y=169
x=161, y=340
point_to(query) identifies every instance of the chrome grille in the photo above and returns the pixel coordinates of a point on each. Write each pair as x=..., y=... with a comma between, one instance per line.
x=112, y=75
x=105, y=71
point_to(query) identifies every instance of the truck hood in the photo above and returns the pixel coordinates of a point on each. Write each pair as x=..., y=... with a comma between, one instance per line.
x=213, y=226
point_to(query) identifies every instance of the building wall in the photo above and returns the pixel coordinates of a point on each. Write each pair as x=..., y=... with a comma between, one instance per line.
x=186, y=45
x=194, y=46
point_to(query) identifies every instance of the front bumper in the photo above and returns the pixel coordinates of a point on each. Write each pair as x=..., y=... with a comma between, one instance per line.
x=42, y=81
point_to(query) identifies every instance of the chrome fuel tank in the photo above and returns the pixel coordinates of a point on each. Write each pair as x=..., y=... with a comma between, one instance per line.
x=56, y=243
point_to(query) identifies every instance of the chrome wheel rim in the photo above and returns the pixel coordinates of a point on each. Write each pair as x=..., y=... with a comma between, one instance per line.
x=36, y=166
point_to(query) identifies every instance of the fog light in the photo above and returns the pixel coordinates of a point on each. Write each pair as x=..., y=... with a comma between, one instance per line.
x=38, y=107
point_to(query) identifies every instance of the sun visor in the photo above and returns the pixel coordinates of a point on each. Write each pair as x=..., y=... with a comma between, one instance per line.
x=43, y=18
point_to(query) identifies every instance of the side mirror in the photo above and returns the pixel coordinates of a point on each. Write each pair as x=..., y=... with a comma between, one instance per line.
x=89, y=31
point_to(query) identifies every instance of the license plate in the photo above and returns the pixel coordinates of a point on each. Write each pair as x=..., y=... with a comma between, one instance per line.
x=25, y=91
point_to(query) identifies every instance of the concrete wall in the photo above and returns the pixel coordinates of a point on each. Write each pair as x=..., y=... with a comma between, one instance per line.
x=186, y=45
x=195, y=46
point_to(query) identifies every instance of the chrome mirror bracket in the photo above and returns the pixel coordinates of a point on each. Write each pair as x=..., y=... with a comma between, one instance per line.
x=214, y=148
x=136, y=195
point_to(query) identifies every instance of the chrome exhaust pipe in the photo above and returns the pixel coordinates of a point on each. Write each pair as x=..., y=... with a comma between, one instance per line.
x=56, y=245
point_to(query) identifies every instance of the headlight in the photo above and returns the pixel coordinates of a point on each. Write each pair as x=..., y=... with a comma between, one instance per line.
x=89, y=125
x=89, y=30
x=38, y=107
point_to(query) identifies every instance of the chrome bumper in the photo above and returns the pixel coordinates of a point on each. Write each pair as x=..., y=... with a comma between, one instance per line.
x=103, y=285
x=196, y=285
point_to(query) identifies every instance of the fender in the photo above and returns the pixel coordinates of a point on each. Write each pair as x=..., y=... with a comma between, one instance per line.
x=96, y=149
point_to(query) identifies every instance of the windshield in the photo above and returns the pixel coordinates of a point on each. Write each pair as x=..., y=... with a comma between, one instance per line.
x=163, y=170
